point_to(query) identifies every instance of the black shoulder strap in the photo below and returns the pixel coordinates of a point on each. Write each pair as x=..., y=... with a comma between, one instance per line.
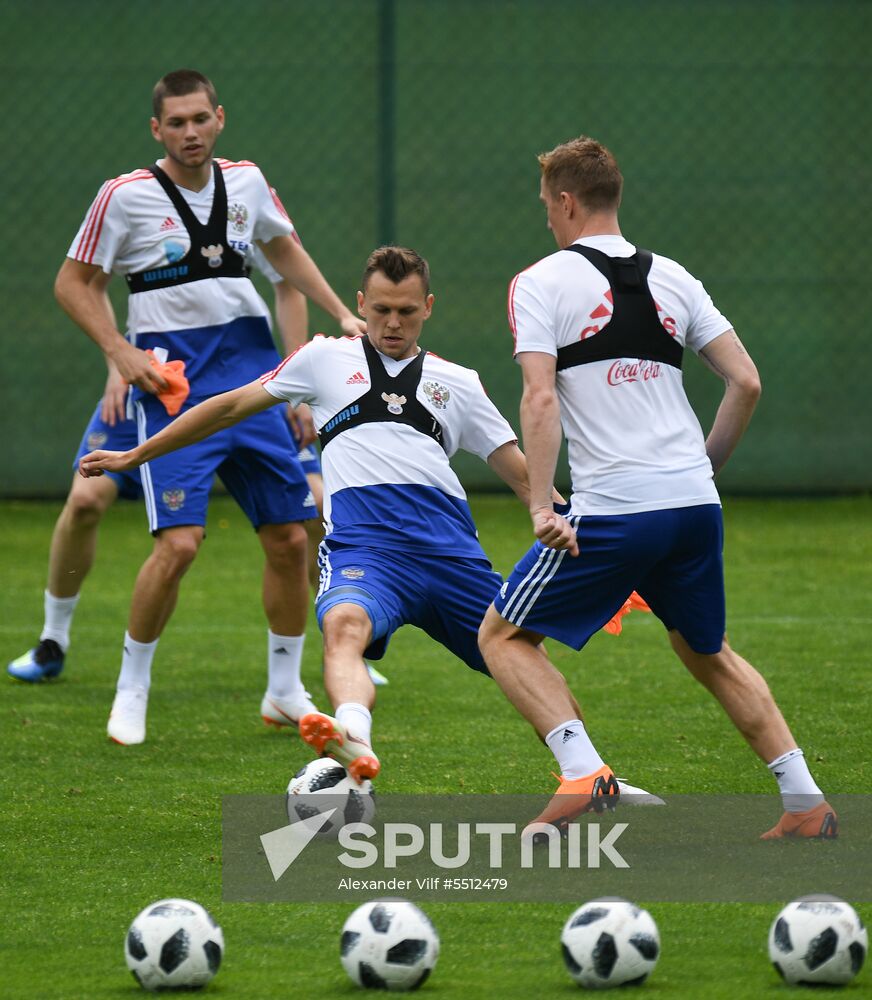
x=634, y=330
x=190, y=221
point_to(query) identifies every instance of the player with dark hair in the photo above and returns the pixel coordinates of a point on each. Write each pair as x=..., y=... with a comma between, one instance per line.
x=600, y=332
x=179, y=232
x=401, y=546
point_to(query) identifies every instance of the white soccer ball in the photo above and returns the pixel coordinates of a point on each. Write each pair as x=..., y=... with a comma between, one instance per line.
x=173, y=943
x=610, y=942
x=818, y=939
x=389, y=944
x=324, y=784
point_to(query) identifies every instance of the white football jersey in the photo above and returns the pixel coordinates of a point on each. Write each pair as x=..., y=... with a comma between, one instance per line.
x=387, y=482
x=635, y=444
x=132, y=226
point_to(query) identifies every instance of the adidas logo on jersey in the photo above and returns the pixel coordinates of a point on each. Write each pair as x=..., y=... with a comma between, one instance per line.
x=168, y=224
x=358, y=378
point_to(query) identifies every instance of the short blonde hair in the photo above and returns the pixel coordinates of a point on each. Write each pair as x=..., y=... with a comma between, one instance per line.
x=585, y=168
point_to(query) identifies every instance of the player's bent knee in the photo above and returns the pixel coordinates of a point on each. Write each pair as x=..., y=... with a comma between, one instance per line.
x=284, y=542
x=177, y=548
x=87, y=503
x=346, y=624
x=494, y=630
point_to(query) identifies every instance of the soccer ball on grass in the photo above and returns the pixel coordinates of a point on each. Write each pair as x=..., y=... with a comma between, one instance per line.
x=816, y=940
x=324, y=784
x=610, y=942
x=389, y=944
x=173, y=943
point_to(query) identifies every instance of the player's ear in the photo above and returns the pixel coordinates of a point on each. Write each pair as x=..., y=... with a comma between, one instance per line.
x=219, y=114
x=155, y=130
x=428, y=305
x=361, y=305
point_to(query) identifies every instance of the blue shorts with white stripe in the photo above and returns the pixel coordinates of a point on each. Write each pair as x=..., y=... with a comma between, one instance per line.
x=673, y=558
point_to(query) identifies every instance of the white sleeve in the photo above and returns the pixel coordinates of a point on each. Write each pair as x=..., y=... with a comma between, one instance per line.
x=271, y=219
x=530, y=318
x=484, y=428
x=101, y=237
x=257, y=259
x=293, y=379
x=706, y=322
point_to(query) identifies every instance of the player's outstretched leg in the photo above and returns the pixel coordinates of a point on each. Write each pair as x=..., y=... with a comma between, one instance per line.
x=347, y=737
x=518, y=663
x=329, y=737
x=745, y=697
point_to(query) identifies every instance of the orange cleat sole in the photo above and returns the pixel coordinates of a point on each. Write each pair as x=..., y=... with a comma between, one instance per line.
x=318, y=730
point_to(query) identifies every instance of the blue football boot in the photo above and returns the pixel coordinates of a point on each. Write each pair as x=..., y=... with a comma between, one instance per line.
x=39, y=664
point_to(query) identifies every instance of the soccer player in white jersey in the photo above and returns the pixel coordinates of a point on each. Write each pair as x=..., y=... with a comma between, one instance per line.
x=74, y=539
x=178, y=232
x=600, y=329
x=401, y=546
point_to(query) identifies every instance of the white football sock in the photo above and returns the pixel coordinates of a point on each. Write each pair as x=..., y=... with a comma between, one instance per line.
x=798, y=789
x=284, y=656
x=58, y=619
x=357, y=720
x=136, y=664
x=576, y=755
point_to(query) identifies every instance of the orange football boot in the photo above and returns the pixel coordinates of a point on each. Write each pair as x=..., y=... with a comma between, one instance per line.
x=592, y=793
x=633, y=603
x=324, y=734
x=819, y=822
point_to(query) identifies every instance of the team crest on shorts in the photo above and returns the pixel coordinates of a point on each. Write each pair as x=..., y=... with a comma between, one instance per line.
x=96, y=440
x=237, y=216
x=352, y=573
x=437, y=393
x=174, y=499
x=214, y=253
x=395, y=402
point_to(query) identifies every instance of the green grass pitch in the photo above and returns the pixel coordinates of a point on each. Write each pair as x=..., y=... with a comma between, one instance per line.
x=92, y=832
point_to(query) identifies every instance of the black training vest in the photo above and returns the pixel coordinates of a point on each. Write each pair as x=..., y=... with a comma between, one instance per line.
x=209, y=255
x=383, y=402
x=635, y=330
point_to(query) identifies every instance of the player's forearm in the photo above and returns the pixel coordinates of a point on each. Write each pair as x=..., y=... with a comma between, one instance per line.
x=90, y=309
x=202, y=420
x=540, y=426
x=731, y=422
x=509, y=464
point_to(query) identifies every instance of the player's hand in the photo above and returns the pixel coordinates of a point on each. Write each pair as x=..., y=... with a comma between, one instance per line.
x=352, y=326
x=113, y=406
x=302, y=425
x=135, y=367
x=95, y=463
x=553, y=530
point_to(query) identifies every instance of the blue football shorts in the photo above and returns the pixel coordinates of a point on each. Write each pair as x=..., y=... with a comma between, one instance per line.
x=255, y=459
x=446, y=597
x=673, y=558
x=122, y=437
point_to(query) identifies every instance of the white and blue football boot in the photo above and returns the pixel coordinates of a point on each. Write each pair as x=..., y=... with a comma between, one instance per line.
x=38, y=664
